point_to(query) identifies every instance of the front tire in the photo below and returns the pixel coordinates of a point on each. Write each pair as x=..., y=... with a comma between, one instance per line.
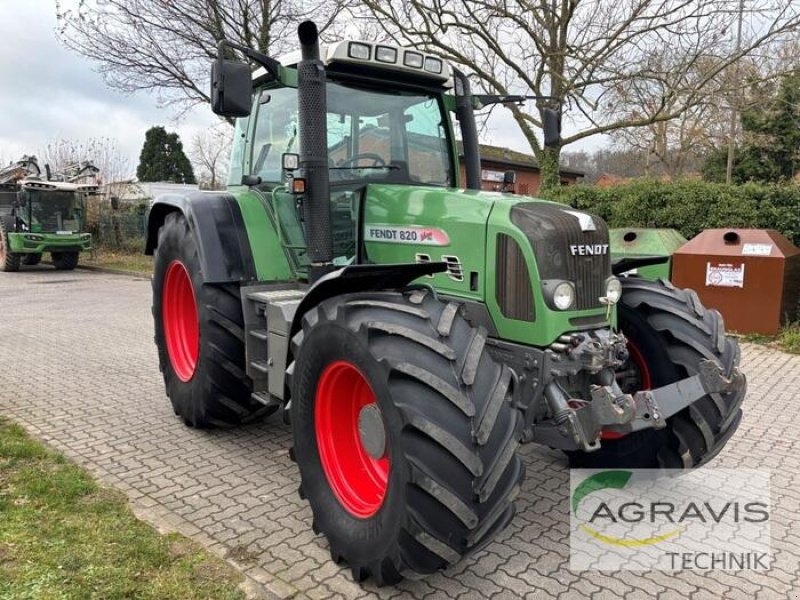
x=64, y=261
x=404, y=433
x=669, y=332
x=199, y=332
x=9, y=261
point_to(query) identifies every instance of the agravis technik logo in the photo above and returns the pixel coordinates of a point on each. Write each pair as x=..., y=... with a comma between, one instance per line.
x=642, y=519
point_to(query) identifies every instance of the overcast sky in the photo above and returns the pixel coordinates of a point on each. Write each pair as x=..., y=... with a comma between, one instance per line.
x=49, y=93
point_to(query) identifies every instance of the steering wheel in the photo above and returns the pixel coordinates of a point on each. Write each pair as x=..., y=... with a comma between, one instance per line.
x=377, y=160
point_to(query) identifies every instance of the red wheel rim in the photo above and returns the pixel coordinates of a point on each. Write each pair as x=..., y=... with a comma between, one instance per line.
x=637, y=359
x=181, y=325
x=358, y=480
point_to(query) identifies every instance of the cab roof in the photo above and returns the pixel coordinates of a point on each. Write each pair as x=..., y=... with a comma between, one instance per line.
x=376, y=55
x=57, y=186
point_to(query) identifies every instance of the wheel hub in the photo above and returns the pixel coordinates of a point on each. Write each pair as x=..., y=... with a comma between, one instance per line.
x=371, y=431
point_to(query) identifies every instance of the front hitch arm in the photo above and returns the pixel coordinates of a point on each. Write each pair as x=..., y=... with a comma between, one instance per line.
x=654, y=407
x=579, y=428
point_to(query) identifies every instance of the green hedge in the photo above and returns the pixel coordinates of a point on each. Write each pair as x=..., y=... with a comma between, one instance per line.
x=690, y=206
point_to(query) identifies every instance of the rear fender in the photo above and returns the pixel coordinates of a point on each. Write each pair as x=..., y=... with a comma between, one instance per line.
x=216, y=222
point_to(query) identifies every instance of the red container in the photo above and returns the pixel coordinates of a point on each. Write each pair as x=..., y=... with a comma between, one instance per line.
x=751, y=276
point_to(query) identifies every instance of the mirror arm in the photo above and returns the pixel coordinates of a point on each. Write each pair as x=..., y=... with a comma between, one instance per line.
x=270, y=64
x=482, y=100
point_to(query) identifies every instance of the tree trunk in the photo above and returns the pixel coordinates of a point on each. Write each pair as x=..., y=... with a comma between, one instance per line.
x=548, y=170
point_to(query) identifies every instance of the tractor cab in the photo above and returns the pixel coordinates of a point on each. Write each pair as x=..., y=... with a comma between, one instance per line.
x=53, y=206
x=386, y=120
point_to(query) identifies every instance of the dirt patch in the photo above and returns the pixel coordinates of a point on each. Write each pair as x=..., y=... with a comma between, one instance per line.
x=241, y=554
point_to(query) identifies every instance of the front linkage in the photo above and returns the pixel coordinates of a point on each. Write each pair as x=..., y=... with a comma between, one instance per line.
x=596, y=356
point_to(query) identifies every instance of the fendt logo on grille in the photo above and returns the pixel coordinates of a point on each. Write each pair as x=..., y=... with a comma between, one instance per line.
x=588, y=249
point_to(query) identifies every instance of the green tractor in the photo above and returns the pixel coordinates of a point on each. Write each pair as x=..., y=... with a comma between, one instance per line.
x=39, y=216
x=414, y=333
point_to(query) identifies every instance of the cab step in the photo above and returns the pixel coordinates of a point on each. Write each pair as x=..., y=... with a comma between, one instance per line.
x=268, y=313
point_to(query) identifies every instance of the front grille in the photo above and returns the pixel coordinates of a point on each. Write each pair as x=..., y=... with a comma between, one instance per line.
x=590, y=321
x=551, y=231
x=513, y=284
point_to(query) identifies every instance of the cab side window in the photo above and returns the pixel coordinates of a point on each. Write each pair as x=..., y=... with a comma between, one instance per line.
x=427, y=143
x=276, y=132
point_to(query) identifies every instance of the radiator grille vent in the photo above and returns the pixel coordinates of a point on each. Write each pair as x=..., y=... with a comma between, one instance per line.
x=454, y=269
x=513, y=284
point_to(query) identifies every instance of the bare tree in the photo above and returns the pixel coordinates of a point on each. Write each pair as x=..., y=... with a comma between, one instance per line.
x=209, y=152
x=589, y=56
x=66, y=156
x=679, y=146
x=165, y=46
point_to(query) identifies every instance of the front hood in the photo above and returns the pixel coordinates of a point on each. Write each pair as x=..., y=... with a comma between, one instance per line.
x=403, y=223
x=568, y=245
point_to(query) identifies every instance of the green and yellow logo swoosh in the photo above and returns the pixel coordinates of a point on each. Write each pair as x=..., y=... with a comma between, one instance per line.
x=612, y=480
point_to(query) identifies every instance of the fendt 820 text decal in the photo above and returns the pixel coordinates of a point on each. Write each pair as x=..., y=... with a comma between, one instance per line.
x=407, y=234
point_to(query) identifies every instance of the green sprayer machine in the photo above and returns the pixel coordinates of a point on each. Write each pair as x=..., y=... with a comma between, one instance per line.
x=41, y=215
x=414, y=333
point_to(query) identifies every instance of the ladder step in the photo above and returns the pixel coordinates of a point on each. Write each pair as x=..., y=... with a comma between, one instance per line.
x=260, y=365
x=275, y=296
x=265, y=399
x=260, y=297
x=259, y=334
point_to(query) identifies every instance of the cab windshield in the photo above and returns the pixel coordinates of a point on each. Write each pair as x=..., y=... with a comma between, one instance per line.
x=54, y=211
x=396, y=137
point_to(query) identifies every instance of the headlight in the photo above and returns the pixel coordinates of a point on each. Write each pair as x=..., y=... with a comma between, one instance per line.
x=564, y=295
x=359, y=51
x=434, y=65
x=613, y=290
x=413, y=59
x=386, y=54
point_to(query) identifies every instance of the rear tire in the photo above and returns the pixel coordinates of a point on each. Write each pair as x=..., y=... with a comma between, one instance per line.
x=64, y=261
x=671, y=332
x=32, y=259
x=8, y=260
x=199, y=332
x=449, y=473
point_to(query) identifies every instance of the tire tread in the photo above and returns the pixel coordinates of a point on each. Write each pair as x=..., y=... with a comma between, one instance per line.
x=451, y=395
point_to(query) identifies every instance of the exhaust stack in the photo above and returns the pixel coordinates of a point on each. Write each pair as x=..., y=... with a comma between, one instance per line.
x=312, y=117
x=469, y=130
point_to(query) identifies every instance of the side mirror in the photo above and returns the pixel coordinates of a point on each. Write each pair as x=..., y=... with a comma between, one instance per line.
x=551, y=123
x=231, y=88
x=251, y=180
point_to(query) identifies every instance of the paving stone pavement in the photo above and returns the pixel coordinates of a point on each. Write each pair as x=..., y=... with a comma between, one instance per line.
x=235, y=491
